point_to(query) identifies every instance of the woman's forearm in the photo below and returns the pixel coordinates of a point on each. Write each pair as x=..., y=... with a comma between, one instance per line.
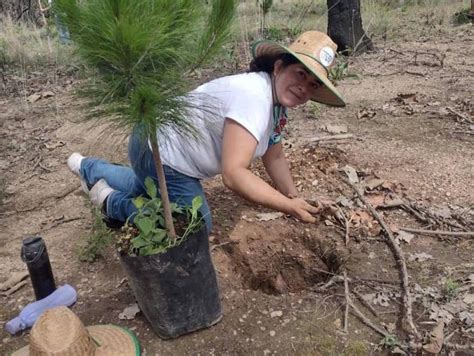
x=255, y=189
x=279, y=171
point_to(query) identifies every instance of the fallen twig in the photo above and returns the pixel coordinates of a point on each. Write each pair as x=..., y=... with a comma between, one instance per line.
x=342, y=216
x=330, y=138
x=365, y=303
x=213, y=247
x=376, y=280
x=334, y=280
x=469, y=346
x=399, y=256
x=366, y=320
x=346, y=293
x=438, y=232
x=14, y=288
x=459, y=115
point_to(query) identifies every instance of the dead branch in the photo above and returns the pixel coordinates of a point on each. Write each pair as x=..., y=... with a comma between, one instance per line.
x=14, y=288
x=463, y=132
x=396, y=73
x=416, y=213
x=438, y=232
x=346, y=293
x=334, y=280
x=375, y=280
x=469, y=346
x=459, y=115
x=366, y=320
x=213, y=247
x=342, y=216
x=440, y=57
x=399, y=256
x=330, y=138
x=365, y=303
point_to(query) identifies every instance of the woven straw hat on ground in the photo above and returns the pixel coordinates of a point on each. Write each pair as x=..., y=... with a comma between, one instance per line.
x=59, y=332
x=317, y=52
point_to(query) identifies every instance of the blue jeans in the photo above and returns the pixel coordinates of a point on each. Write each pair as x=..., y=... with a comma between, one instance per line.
x=129, y=183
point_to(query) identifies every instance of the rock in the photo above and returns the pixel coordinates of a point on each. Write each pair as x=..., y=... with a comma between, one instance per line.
x=272, y=333
x=277, y=313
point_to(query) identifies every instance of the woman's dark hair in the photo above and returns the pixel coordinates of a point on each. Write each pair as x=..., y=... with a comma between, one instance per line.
x=266, y=63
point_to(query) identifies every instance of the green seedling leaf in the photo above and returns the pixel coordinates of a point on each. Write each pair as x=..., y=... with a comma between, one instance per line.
x=144, y=224
x=150, y=187
x=197, y=203
x=139, y=242
x=160, y=220
x=139, y=202
x=159, y=235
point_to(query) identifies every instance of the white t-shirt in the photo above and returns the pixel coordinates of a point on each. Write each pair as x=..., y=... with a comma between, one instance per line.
x=245, y=98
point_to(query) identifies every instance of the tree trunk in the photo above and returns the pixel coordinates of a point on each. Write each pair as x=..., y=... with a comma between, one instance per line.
x=21, y=10
x=162, y=185
x=345, y=26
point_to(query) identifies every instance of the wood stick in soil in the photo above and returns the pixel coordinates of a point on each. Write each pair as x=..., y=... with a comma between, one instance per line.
x=438, y=232
x=346, y=293
x=400, y=258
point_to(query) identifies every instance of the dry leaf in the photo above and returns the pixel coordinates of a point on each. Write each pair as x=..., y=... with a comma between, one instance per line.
x=405, y=236
x=376, y=200
x=379, y=298
x=33, y=98
x=467, y=318
x=392, y=200
x=14, y=279
x=436, y=339
x=443, y=212
x=52, y=146
x=344, y=201
x=420, y=257
x=47, y=94
x=351, y=174
x=388, y=108
x=365, y=113
x=129, y=312
x=374, y=183
x=335, y=129
x=439, y=314
x=394, y=228
x=468, y=298
x=362, y=219
x=269, y=216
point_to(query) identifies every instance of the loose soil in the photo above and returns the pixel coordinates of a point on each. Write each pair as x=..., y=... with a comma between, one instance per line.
x=408, y=109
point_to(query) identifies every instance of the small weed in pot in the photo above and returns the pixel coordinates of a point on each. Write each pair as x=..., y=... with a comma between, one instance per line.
x=147, y=236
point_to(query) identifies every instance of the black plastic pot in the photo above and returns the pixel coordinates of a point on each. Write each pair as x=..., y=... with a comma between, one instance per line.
x=177, y=290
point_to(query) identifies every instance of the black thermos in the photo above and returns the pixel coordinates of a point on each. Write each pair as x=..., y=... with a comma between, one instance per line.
x=35, y=255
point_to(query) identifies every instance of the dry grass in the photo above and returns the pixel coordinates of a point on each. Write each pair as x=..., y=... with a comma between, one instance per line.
x=28, y=47
x=382, y=19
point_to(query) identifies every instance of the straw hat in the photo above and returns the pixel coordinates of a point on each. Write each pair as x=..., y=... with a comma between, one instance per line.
x=316, y=51
x=59, y=332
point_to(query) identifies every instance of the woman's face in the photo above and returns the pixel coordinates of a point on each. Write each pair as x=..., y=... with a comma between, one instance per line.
x=294, y=85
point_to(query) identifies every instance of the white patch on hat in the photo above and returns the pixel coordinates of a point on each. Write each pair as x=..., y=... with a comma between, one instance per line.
x=326, y=56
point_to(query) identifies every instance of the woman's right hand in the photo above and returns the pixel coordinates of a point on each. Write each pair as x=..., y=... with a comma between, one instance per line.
x=302, y=210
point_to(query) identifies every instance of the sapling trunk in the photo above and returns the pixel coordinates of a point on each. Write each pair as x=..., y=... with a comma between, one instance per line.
x=160, y=173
